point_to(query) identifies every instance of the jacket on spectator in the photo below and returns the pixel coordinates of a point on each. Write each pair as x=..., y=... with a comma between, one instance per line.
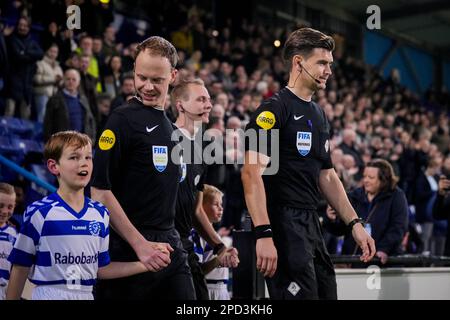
x=23, y=53
x=44, y=79
x=57, y=117
x=424, y=198
x=441, y=211
x=388, y=221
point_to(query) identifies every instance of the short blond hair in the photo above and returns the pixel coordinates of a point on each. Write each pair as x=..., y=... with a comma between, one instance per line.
x=209, y=192
x=6, y=188
x=181, y=90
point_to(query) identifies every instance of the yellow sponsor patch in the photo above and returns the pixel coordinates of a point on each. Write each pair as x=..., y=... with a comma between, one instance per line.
x=266, y=120
x=107, y=140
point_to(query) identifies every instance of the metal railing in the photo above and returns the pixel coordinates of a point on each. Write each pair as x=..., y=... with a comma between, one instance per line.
x=26, y=174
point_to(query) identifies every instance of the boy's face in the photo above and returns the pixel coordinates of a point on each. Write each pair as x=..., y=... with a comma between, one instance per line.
x=152, y=76
x=214, y=209
x=7, y=204
x=74, y=168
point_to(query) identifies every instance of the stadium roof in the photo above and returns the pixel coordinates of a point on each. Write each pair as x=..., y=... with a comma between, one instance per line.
x=425, y=22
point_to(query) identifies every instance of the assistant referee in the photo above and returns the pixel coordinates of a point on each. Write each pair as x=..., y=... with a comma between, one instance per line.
x=289, y=245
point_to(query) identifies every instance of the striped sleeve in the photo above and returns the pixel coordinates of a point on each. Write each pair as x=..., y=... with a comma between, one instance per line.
x=103, y=256
x=24, y=251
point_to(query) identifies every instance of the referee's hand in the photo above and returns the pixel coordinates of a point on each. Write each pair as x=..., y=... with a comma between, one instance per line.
x=266, y=257
x=364, y=241
x=155, y=255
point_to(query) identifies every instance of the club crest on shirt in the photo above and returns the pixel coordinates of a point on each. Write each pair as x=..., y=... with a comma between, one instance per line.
x=160, y=157
x=183, y=169
x=304, y=142
x=94, y=228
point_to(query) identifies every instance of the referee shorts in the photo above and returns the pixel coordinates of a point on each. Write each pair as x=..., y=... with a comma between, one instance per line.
x=304, y=269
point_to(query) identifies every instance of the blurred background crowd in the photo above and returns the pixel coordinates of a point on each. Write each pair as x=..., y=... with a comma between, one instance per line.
x=53, y=79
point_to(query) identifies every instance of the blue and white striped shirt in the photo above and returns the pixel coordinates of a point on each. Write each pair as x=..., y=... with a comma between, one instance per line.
x=63, y=247
x=8, y=236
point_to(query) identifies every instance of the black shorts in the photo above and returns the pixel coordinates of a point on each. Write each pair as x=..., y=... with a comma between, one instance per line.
x=171, y=283
x=304, y=269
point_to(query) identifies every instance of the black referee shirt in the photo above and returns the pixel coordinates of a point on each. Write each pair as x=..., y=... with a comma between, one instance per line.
x=304, y=148
x=192, y=181
x=133, y=160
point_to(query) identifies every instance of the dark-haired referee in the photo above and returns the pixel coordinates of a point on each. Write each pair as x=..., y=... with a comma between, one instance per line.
x=290, y=249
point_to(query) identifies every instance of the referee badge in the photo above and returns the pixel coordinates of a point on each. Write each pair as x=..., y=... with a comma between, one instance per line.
x=304, y=142
x=160, y=157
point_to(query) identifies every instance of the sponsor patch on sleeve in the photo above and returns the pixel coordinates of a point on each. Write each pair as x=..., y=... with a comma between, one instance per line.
x=107, y=140
x=266, y=120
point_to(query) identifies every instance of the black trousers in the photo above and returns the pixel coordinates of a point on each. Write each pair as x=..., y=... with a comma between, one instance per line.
x=304, y=269
x=171, y=283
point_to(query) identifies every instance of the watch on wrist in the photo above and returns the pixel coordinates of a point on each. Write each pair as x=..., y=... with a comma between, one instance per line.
x=353, y=222
x=218, y=247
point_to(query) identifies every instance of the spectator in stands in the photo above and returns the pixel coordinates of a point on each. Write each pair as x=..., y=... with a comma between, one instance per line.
x=88, y=84
x=126, y=92
x=86, y=50
x=425, y=196
x=441, y=208
x=69, y=110
x=109, y=42
x=23, y=54
x=113, y=76
x=104, y=109
x=3, y=67
x=47, y=80
x=383, y=207
x=348, y=146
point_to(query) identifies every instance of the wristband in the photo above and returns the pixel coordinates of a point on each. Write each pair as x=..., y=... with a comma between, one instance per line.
x=353, y=222
x=263, y=231
x=218, y=247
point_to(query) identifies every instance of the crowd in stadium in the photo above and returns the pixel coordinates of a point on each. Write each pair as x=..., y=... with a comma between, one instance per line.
x=372, y=117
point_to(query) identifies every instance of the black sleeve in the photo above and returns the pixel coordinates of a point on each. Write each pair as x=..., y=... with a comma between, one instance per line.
x=201, y=183
x=441, y=207
x=325, y=135
x=112, y=147
x=265, y=120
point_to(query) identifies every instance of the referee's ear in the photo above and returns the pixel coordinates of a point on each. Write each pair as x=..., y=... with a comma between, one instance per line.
x=173, y=75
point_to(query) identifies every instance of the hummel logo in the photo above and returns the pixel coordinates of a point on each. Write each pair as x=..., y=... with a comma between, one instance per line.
x=151, y=129
x=299, y=117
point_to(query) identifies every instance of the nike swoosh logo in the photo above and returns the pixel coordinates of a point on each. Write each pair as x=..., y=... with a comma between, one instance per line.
x=151, y=129
x=268, y=230
x=299, y=117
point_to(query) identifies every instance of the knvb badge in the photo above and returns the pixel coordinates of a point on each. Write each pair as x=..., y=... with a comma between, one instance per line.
x=160, y=157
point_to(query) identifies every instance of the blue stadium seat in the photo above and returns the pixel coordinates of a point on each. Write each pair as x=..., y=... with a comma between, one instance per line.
x=27, y=145
x=20, y=127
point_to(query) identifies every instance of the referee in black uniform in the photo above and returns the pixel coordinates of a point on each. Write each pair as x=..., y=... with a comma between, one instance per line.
x=135, y=177
x=290, y=249
x=193, y=104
